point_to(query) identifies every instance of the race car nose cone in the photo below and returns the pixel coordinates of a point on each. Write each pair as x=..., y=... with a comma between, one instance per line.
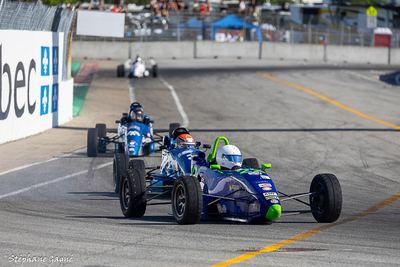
x=274, y=212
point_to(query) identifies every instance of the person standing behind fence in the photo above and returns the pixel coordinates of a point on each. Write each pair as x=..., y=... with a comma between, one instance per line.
x=223, y=7
x=252, y=7
x=171, y=6
x=242, y=7
x=122, y=7
x=96, y=5
x=180, y=5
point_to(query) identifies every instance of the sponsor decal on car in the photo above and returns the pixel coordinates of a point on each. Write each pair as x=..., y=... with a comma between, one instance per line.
x=267, y=188
x=224, y=208
x=266, y=194
x=274, y=201
x=263, y=176
x=219, y=208
x=264, y=185
x=268, y=198
x=134, y=133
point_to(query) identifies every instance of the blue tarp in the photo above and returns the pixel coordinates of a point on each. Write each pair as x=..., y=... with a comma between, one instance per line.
x=192, y=23
x=233, y=22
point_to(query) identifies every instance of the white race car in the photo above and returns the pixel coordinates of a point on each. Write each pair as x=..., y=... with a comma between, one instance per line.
x=137, y=68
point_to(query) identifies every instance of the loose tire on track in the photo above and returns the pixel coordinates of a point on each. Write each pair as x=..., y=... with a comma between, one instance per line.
x=132, y=193
x=251, y=163
x=326, y=203
x=155, y=71
x=187, y=200
x=121, y=71
x=92, y=142
x=172, y=127
x=120, y=164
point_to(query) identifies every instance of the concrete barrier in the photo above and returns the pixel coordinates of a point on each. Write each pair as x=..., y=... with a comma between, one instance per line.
x=210, y=49
x=33, y=97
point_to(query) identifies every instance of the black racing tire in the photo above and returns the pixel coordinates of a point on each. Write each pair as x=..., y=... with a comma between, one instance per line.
x=155, y=71
x=326, y=203
x=138, y=164
x=132, y=193
x=172, y=127
x=187, y=200
x=251, y=163
x=120, y=164
x=101, y=129
x=121, y=71
x=92, y=142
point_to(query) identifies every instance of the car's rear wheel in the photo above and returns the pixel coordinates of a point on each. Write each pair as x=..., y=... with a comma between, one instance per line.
x=120, y=71
x=101, y=129
x=251, y=163
x=121, y=162
x=132, y=193
x=187, y=200
x=155, y=71
x=92, y=142
x=102, y=133
x=172, y=127
x=326, y=202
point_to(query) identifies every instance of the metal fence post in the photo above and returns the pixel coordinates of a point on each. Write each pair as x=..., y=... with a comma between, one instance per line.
x=195, y=48
x=260, y=50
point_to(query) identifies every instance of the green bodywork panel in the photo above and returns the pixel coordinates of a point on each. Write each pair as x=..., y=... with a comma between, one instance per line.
x=266, y=166
x=274, y=212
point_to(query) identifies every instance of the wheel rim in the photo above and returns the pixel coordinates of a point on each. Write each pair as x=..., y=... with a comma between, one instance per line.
x=318, y=199
x=179, y=201
x=126, y=194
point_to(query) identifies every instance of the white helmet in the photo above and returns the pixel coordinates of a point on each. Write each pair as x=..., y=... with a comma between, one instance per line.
x=229, y=157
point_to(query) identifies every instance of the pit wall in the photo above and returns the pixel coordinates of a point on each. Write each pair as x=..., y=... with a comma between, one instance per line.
x=245, y=50
x=33, y=96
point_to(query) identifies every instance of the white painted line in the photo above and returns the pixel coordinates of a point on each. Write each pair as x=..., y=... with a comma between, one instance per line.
x=41, y=162
x=54, y=181
x=177, y=102
x=131, y=90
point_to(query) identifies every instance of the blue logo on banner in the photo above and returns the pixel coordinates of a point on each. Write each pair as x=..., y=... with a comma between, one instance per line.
x=55, y=60
x=44, y=100
x=44, y=61
x=54, y=102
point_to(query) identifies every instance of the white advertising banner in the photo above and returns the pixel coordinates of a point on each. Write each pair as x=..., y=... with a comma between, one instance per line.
x=32, y=96
x=100, y=23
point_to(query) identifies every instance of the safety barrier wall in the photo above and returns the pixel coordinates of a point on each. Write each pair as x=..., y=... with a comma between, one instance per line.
x=33, y=95
x=210, y=49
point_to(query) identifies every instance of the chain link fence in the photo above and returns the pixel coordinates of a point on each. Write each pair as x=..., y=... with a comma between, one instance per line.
x=142, y=26
x=38, y=17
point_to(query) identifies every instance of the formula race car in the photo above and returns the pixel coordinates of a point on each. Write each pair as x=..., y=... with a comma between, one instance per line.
x=218, y=186
x=137, y=68
x=134, y=135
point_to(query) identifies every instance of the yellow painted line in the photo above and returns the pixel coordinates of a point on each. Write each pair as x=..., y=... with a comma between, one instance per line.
x=307, y=234
x=328, y=100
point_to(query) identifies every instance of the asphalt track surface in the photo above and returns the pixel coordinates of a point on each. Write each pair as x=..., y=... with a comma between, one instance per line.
x=303, y=118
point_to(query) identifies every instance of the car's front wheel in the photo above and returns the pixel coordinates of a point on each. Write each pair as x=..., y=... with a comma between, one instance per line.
x=326, y=200
x=121, y=162
x=132, y=193
x=187, y=200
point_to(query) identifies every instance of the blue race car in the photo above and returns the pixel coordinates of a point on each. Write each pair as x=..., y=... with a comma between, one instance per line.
x=220, y=185
x=134, y=135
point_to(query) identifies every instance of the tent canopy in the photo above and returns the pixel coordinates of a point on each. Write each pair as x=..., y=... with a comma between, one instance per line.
x=192, y=23
x=233, y=22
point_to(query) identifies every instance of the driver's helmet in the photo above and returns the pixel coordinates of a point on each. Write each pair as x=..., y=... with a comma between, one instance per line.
x=229, y=157
x=136, y=112
x=138, y=59
x=184, y=141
